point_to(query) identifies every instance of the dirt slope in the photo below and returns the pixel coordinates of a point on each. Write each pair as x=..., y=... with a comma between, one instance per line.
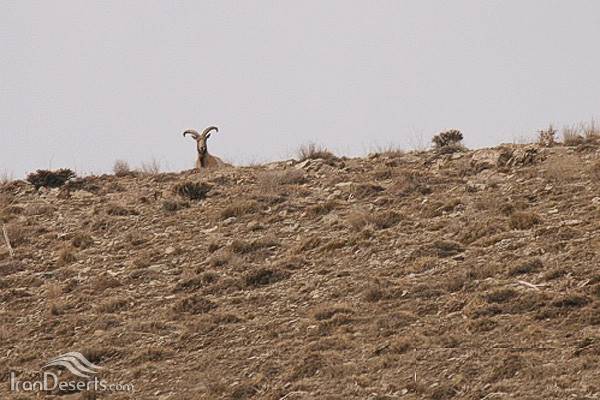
x=402, y=276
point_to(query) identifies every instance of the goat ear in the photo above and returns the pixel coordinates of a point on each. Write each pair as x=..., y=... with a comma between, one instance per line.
x=207, y=136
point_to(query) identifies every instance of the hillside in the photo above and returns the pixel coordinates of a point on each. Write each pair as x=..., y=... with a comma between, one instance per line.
x=399, y=276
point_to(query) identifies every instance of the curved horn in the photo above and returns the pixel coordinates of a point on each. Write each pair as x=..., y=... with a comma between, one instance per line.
x=192, y=132
x=210, y=128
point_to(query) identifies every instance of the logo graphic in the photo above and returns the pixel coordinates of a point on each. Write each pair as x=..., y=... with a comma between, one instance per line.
x=76, y=363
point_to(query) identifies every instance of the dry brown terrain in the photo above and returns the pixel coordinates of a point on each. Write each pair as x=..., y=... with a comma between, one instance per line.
x=470, y=275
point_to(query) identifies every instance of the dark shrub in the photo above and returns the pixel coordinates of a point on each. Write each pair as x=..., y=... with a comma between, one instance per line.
x=50, y=179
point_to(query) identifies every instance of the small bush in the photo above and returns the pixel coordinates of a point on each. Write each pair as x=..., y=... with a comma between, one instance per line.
x=192, y=190
x=121, y=168
x=547, y=137
x=313, y=151
x=448, y=141
x=50, y=179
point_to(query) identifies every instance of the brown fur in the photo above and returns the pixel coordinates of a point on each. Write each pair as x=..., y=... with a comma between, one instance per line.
x=205, y=160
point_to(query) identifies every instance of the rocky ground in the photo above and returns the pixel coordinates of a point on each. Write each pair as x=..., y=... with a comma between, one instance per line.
x=471, y=275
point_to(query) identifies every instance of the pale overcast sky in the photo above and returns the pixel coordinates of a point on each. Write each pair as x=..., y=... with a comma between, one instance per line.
x=83, y=83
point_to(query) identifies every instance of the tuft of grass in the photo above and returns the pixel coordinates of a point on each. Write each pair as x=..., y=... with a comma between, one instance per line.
x=6, y=177
x=120, y=211
x=572, y=136
x=389, y=151
x=151, y=167
x=527, y=267
x=313, y=151
x=321, y=209
x=82, y=240
x=379, y=220
x=173, y=206
x=270, y=181
x=524, y=220
x=50, y=179
x=192, y=190
x=66, y=255
x=194, y=304
x=239, y=246
x=325, y=312
x=239, y=208
x=17, y=234
x=264, y=276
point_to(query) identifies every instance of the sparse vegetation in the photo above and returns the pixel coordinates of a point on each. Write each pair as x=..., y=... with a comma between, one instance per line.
x=313, y=151
x=50, y=179
x=271, y=181
x=239, y=208
x=174, y=205
x=547, y=137
x=524, y=220
x=151, y=167
x=448, y=141
x=121, y=168
x=192, y=190
x=330, y=280
x=6, y=178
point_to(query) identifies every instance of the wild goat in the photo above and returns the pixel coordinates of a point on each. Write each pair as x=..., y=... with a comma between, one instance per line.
x=205, y=160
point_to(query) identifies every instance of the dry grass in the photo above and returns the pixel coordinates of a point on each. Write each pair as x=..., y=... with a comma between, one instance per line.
x=66, y=255
x=379, y=220
x=174, y=205
x=6, y=177
x=572, y=136
x=271, y=181
x=82, y=240
x=563, y=169
x=595, y=170
x=239, y=208
x=389, y=151
x=313, y=151
x=121, y=168
x=120, y=211
x=264, y=276
x=151, y=167
x=240, y=246
x=321, y=209
x=524, y=220
x=583, y=133
x=17, y=234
